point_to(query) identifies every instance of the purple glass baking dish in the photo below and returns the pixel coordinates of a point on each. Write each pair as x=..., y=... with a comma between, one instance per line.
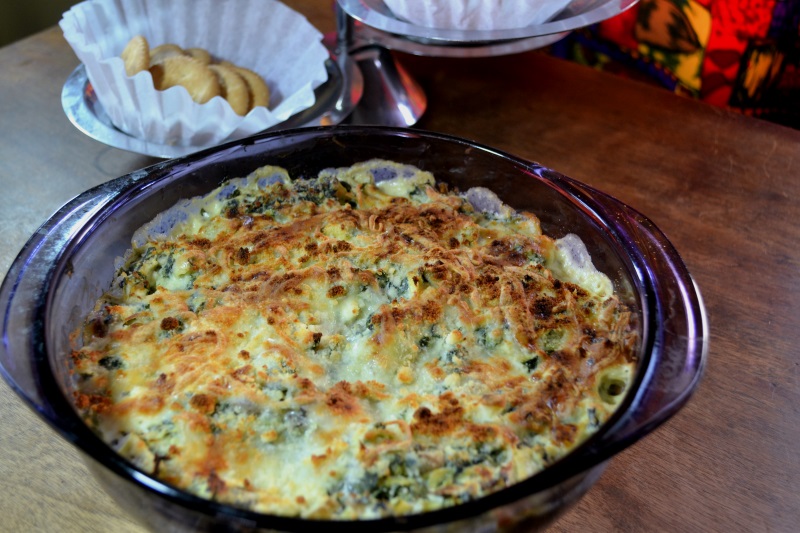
x=67, y=264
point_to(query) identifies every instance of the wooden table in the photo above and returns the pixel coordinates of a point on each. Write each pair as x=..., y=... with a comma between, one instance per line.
x=724, y=188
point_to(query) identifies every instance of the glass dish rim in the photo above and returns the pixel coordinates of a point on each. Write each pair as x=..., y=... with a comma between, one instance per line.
x=89, y=443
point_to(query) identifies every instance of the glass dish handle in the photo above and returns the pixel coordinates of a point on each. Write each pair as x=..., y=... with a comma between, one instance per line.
x=25, y=289
x=679, y=349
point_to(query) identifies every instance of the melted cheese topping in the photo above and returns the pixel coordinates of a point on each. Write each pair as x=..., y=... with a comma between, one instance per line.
x=341, y=348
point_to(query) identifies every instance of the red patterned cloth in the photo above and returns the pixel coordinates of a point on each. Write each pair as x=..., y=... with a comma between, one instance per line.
x=739, y=54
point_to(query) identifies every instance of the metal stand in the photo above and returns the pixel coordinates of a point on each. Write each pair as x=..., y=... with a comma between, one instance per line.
x=391, y=97
x=367, y=31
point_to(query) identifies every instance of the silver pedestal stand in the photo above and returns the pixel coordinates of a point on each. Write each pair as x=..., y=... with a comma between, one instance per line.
x=367, y=31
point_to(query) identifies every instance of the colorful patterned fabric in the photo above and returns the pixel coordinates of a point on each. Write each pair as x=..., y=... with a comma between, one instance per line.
x=738, y=54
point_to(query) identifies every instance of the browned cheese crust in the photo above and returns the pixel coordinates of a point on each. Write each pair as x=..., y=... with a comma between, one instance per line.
x=335, y=348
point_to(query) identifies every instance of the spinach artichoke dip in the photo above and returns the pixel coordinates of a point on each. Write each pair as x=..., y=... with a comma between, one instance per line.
x=361, y=344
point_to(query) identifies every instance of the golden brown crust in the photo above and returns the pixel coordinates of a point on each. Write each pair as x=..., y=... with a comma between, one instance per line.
x=399, y=350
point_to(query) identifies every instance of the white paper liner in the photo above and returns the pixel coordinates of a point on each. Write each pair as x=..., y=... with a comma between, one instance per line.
x=265, y=36
x=476, y=14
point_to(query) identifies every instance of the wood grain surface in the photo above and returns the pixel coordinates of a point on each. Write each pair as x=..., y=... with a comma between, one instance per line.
x=724, y=188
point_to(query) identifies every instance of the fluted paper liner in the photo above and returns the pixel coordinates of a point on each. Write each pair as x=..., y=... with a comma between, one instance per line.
x=265, y=36
x=476, y=14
